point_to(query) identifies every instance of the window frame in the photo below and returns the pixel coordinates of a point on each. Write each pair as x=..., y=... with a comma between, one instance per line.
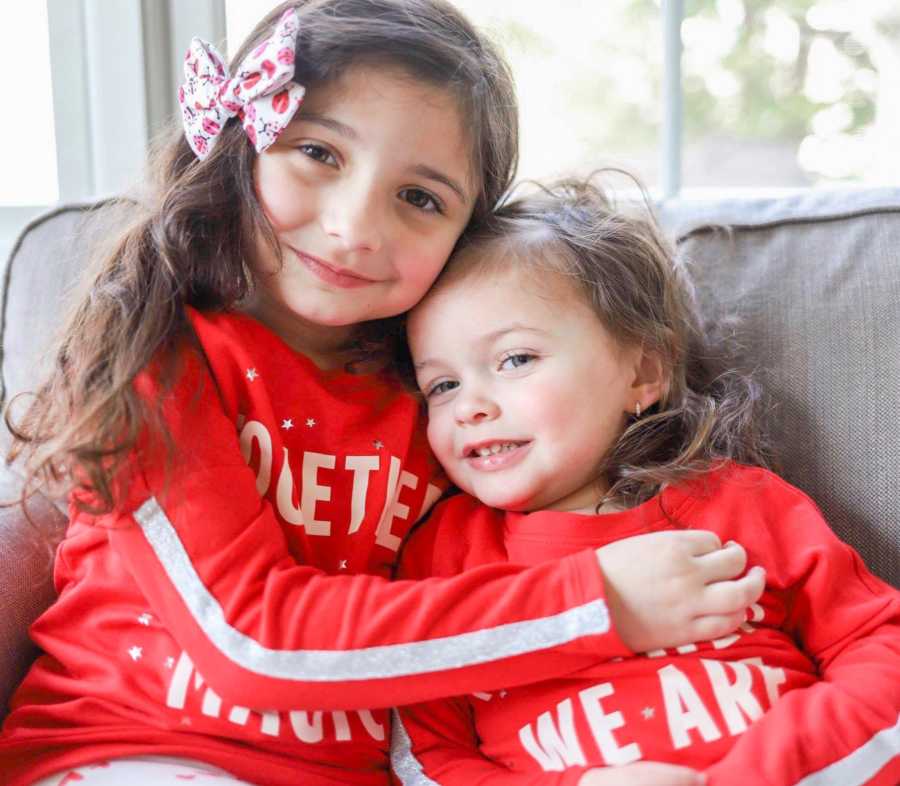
x=109, y=102
x=108, y=105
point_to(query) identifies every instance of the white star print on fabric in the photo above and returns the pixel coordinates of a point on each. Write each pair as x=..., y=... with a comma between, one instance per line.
x=287, y=424
x=136, y=653
x=251, y=374
x=145, y=618
x=310, y=422
x=378, y=444
x=342, y=565
x=170, y=662
x=648, y=712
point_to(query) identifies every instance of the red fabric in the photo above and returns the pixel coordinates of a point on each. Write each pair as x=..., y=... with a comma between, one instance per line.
x=292, y=490
x=825, y=638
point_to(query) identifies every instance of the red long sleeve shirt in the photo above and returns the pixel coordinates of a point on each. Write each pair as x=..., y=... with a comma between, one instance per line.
x=236, y=607
x=806, y=692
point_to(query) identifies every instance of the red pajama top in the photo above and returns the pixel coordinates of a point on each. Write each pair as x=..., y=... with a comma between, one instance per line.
x=806, y=692
x=237, y=610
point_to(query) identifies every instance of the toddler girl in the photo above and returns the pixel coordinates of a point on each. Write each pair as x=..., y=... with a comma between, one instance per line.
x=244, y=463
x=570, y=391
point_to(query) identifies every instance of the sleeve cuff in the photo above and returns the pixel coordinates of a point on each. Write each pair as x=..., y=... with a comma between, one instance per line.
x=588, y=586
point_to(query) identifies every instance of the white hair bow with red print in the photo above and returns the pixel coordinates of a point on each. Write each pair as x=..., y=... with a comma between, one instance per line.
x=261, y=93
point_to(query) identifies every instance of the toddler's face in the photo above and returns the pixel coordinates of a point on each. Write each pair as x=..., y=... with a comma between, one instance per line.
x=526, y=390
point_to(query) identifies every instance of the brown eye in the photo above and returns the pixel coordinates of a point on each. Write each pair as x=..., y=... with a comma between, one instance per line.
x=420, y=199
x=318, y=153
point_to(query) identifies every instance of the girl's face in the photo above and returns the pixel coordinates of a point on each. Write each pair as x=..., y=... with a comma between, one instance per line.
x=526, y=390
x=367, y=190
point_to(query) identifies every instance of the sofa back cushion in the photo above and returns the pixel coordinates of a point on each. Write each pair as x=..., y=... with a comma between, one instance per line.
x=39, y=276
x=814, y=278
x=815, y=283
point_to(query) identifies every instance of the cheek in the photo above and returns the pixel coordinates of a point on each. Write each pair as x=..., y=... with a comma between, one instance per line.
x=419, y=267
x=279, y=194
x=547, y=406
x=438, y=436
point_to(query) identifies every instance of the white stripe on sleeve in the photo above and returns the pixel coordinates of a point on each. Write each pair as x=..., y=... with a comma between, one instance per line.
x=366, y=663
x=860, y=765
x=403, y=761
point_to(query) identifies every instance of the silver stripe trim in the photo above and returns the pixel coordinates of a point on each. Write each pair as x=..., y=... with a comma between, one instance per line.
x=393, y=660
x=403, y=762
x=858, y=767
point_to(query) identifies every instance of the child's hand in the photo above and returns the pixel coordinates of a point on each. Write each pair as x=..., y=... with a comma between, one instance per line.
x=670, y=588
x=643, y=773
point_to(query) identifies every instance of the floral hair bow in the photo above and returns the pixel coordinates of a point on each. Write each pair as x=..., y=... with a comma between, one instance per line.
x=261, y=93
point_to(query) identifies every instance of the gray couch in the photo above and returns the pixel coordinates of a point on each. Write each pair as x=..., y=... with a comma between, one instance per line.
x=815, y=278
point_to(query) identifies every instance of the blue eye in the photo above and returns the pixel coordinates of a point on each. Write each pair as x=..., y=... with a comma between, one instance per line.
x=318, y=153
x=517, y=360
x=421, y=199
x=441, y=387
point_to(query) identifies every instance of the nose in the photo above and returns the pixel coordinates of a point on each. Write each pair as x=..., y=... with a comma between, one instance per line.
x=353, y=216
x=473, y=408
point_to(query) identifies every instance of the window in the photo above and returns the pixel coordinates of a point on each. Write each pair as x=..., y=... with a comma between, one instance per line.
x=588, y=84
x=794, y=94
x=27, y=138
x=763, y=94
x=766, y=94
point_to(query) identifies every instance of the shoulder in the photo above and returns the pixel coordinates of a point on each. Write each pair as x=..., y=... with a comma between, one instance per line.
x=459, y=532
x=229, y=332
x=755, y=505
x=757, y=485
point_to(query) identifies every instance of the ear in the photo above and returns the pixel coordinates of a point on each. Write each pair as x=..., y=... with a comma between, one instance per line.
x=651, y=380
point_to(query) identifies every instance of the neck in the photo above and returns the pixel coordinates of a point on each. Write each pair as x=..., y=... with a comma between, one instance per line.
x=584, y=499
x=328, y=346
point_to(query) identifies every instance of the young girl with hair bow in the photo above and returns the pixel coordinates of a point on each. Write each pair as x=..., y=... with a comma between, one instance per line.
x=243, y=462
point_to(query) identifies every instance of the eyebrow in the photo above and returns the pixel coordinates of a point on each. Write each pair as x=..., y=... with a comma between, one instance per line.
x=423, y=170
x=329, y=122
x=433, y=174
x=490, y=338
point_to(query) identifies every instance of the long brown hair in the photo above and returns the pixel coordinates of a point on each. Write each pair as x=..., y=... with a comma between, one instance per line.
x=191, y=239
x=643, y=296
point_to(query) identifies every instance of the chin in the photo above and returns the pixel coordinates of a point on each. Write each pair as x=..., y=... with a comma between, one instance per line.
x=505, y=501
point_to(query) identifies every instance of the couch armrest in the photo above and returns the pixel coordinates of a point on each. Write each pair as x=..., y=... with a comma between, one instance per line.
x=26, y=577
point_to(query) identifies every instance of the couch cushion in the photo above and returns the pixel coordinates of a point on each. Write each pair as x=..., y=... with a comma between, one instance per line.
x=42, y=267
x=815, y=281
x=26, y=587
x=815, y=278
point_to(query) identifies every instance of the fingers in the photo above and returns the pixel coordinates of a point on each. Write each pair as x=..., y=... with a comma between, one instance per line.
x=725, y=597
x=715, y=626
x=723, y=563
x=725, y=605
x=701, y=541
x=643, y=774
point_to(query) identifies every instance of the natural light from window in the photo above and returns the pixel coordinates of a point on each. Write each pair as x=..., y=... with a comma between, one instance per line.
x=27, y=138
x=775, y=95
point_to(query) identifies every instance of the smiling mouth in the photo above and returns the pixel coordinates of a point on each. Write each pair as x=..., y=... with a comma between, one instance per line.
x=330, y=274
x=496, y=456
x=493, y=449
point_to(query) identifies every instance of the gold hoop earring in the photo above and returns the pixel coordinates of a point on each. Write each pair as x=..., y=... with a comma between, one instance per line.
x=637, y=409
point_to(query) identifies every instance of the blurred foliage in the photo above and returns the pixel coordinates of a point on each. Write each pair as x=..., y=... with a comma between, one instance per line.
x=770, y=102
x=763, y=75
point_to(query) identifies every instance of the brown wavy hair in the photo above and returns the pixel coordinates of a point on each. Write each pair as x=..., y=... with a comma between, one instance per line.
x=191, y=237
x=642, y=294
